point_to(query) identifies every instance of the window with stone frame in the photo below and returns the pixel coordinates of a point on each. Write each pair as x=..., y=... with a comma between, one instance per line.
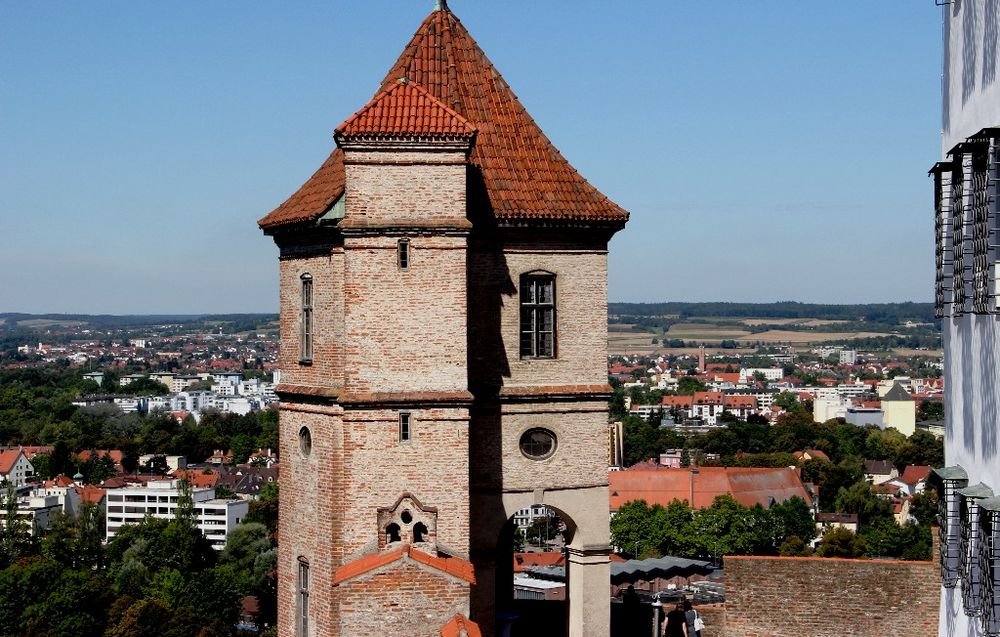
x=538, y=315
x=302, y=599
x=306, y=320
x=970, y=569
x=982, y=210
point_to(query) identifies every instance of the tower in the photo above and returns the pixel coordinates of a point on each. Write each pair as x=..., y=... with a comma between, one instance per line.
x=443, y=318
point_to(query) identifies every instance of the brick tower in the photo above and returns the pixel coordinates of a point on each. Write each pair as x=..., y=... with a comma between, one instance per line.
x=443, y=355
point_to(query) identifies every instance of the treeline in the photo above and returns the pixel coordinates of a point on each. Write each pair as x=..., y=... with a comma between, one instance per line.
x=36, y=409
x=158, y=578
x=887, y=313
x=725, y=528
x=9, y=321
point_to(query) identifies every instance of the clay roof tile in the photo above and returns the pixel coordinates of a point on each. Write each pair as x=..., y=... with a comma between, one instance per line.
x=523, y=174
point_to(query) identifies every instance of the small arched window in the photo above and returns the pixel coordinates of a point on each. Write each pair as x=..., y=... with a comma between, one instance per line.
x=306, y=320
x=392, y=533
x=538, y=315
x=419, y=532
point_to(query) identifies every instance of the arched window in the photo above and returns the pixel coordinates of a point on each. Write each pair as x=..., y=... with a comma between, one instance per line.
x=538, y=315
x=419, y=532
x=392, y=533
x=306, y=320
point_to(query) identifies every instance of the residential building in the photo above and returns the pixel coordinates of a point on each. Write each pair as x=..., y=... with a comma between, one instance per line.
x=879, y=471
x=15, y=467
x=899, y=411
x=848, y=357
x=214, y=517
x=434, y=379
x=37, y=511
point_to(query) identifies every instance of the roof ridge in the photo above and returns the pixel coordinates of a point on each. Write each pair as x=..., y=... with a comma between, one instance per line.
x=402, y=86
x=522, y=175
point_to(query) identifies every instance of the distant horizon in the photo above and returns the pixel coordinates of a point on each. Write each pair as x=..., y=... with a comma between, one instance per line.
x=275, y=311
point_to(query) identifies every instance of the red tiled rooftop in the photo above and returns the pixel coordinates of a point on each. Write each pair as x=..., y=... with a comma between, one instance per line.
x=524, y=561
x=7, y=460
x=523, y=174
x=748, y=486
x=915, y=473
x=405, y=108
x=456, y=567
x=460, y=626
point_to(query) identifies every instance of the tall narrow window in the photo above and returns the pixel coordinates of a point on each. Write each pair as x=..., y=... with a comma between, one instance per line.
x=404, y=427
x=303, y=599
x=403, y=254
x=306, y=321
x=538, y=315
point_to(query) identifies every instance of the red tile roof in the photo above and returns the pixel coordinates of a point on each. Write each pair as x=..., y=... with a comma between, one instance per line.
x=7, y=460
x=915, y=473
x=91, y=494
x=199, y=479
x=524, y=561
x=524, y=175
x=748, y=486
x=460, y=626
x=406, y=108
x=454, y=566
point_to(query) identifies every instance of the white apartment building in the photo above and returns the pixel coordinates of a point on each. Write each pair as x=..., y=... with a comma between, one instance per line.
x=35, y=510
x=967, y=217
x=215, y=517
x=771, y=374
x=848, y=357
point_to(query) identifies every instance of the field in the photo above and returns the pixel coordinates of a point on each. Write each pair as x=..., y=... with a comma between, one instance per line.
x=624, y=338
x=42, y=323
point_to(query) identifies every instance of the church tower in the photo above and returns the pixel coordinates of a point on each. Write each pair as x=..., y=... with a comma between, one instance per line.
x=443, y=284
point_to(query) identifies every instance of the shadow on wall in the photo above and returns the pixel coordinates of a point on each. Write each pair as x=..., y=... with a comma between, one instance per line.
x=969, y=22
x=988, y=355
x=991, y=27
x=964, y=334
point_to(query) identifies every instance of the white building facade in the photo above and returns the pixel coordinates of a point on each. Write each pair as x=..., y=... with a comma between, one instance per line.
x=214, y=517
x=966, y=276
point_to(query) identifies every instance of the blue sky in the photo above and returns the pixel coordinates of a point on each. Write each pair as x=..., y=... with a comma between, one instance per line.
x=766, y=150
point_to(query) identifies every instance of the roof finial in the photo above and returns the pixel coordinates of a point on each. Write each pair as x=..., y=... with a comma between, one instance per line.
x=440, y=5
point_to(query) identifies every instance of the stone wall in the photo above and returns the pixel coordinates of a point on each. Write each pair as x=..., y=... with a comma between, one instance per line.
x=821, y=597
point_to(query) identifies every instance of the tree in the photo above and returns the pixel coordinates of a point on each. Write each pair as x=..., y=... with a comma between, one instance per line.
x=858, y=498
x=794, y=519
x=794, y=546
x=634, y=530
x=839, y=542
x=688, y=385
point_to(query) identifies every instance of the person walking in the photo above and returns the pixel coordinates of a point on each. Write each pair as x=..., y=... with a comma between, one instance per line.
x=676, y=623
x=691, y=618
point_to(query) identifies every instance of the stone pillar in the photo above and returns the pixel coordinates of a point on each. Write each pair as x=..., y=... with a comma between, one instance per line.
x=589, y=597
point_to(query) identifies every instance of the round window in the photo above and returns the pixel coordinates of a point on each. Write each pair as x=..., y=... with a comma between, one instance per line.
x=305, y=441
x=538, y=444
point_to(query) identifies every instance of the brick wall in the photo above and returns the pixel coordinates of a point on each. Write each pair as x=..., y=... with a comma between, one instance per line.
x=326, y=369
x=786, y=596
x=433, y=466
x=400, y=600
x=405, y=329
x=307, y=523
x=389, y=186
